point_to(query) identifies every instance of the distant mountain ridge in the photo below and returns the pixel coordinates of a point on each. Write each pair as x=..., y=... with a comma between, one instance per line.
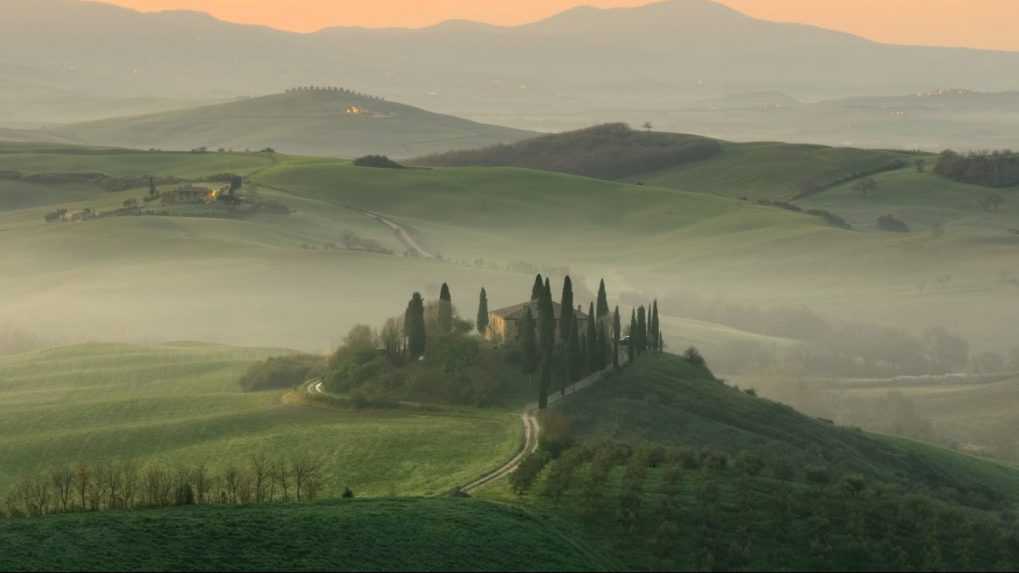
x=585, y=59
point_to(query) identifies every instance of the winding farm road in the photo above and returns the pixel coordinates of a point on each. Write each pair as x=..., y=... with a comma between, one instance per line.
x=529, y=418
x=401, y=233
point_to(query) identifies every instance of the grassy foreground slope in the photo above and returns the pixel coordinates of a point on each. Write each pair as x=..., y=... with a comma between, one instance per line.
x=181, y=404
x=439, y=534
x=672, y=470
x=317, y=122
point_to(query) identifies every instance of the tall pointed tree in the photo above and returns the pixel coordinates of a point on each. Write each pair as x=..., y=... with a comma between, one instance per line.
x=566, y=312
x=603, y=302
x=529, y=341
x=654, y=330
x=592, y=340
x=616, y=333
x=538, y=289
x=445, y=310
x=482, y=322
x=641, y=330
x=414, y=326
x=547, y=327
x=631, y=349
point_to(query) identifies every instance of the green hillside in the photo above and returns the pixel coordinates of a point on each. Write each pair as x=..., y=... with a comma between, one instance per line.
x=611, y=151
x=775, y=171
x=671, y=469
x=440, y=534
x=924, y=201
x=180, y=404
x=307, y=121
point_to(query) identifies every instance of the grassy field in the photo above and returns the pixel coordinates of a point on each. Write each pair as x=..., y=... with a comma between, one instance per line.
x=440, y=534
x=305, y=122
x=775, y=171
x=181, y=403
x=922, y=200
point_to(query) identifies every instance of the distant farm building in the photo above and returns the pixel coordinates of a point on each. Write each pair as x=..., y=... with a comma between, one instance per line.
x=504, y=324
x=353, y=109
x=190, y=195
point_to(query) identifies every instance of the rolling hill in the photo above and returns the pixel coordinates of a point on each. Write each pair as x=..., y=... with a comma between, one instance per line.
x=322, y=122
x=181, y=404
x=672, y=469
x=440, y=534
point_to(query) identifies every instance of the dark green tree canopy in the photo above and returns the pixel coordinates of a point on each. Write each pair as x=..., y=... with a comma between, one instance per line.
x=482, y=322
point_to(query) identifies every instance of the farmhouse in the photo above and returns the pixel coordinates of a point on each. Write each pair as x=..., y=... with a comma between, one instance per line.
x=504, y=324
x=189, y=194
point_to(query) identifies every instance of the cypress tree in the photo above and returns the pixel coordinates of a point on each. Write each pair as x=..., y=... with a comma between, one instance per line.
x=528, y=341
x=603, y=302
x=445, y=310
x=641, y=330
x=566, y=314
x=655, y=329
x=546, y=324
x=414, y=326
x=538, y=289
x=571, y=358
x=482, y=322
x=631, y=350
x=592, y=341
x=616, y=332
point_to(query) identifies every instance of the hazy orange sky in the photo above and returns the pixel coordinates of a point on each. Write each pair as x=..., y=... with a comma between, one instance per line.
x=990, y=24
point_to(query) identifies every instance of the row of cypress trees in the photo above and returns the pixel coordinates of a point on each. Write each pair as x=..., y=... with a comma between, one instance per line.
x=543, y=345
x=578, y=353
x=645, y=331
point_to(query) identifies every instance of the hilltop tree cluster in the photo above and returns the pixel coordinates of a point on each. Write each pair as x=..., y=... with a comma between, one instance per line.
x=569, y=347
x=333, y=89
x=988, y=169
x=111, y=486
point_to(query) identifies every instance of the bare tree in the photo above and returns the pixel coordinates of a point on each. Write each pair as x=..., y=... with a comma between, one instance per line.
x=261, y=477
x=281, y=477
x=307, y=473
x=62, y=479
x=82, y=477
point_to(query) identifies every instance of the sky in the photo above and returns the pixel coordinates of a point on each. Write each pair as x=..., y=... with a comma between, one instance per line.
x=988, y=24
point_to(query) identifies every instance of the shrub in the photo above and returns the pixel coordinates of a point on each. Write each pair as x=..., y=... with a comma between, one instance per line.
x=527, y=472
x=892, y=224
x=377, y=161
x=281, y=372
x=693, y=356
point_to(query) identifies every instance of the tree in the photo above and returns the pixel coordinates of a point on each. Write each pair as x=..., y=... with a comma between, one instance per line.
x=414, y=326
x=538, y=290
x=572, y=357
x=528, y=341
x=603, y=302
x=641, y=330
x=566, y=314
x=592, y=341
x=445, y=322
x=546, y=327
x=152, y=187
x=654, y=331
x=631, y=350
x=616, y=333
x=482, y=322
x=647, y=126
x=236, y=182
